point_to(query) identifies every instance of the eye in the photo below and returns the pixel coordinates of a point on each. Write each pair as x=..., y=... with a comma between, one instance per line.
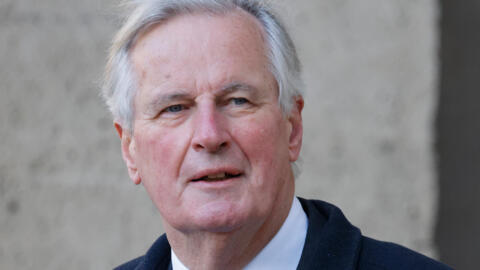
x=239, y=101
x=175, y=108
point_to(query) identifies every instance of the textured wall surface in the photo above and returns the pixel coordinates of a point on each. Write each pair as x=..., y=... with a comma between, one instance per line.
x=370, y=68
x=65, y=198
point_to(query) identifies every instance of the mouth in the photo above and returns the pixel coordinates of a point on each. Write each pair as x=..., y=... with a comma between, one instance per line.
x=222, y=176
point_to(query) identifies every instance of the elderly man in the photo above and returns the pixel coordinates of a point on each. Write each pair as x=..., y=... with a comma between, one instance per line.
x=206, y=97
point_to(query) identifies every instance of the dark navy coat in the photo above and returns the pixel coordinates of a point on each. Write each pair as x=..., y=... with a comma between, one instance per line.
x=332, y=243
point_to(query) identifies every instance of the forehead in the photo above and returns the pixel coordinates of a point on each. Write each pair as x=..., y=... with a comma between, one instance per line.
x=236, y=24
x=216, y=45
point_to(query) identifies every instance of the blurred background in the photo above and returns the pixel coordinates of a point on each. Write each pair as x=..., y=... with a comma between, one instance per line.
x=391, y=129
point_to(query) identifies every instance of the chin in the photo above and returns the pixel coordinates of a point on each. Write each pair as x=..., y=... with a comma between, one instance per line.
x=220, y=216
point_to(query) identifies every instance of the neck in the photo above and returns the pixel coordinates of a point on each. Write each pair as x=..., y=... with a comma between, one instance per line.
x=227, y=250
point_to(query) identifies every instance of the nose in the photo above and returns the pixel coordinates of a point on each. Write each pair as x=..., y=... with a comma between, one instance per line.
x=210, y=132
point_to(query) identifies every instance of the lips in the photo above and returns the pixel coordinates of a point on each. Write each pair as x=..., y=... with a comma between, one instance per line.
x=216, y=176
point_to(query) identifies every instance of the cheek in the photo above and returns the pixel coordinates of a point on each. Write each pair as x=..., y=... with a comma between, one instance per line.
x=159, y=153
x=265, y=144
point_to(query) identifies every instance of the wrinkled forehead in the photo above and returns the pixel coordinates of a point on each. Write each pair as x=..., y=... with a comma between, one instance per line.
x=241, y=16
x=238, y=31
x=186, y=47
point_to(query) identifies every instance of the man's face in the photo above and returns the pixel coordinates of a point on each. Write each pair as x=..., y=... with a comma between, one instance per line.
x=210, y=143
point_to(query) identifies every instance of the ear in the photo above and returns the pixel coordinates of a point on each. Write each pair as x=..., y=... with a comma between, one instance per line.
x=296, y=129
x=128, y=152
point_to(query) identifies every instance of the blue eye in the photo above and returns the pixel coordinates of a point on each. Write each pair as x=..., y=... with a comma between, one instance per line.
x=239, y=101
x=175, y=108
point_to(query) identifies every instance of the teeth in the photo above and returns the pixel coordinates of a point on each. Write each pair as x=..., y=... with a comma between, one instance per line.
x=216, y=176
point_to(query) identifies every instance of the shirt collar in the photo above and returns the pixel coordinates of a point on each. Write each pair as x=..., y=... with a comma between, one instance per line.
x=285, y=248
x=176, y=263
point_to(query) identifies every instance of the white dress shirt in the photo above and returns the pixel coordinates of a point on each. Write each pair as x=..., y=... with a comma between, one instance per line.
x=285, y=248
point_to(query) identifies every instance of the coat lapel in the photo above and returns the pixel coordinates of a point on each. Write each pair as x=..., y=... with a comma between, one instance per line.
x=332, y=242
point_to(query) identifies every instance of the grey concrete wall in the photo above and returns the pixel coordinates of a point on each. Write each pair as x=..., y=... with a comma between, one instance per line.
x=66, y=201
x=371, y=71
x=370, y=68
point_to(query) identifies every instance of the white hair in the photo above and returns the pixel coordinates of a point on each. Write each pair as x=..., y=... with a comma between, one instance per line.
x=119, y=81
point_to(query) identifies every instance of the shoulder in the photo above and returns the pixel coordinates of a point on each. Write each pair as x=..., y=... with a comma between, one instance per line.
x=157, y=257
x=334, y=243
x=376, y=254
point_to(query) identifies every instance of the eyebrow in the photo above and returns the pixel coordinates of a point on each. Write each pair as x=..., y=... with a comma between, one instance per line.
x=237, y=86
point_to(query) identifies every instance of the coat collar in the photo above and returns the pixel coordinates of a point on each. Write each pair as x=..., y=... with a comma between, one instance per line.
x=332, y=242
x=158, y=256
